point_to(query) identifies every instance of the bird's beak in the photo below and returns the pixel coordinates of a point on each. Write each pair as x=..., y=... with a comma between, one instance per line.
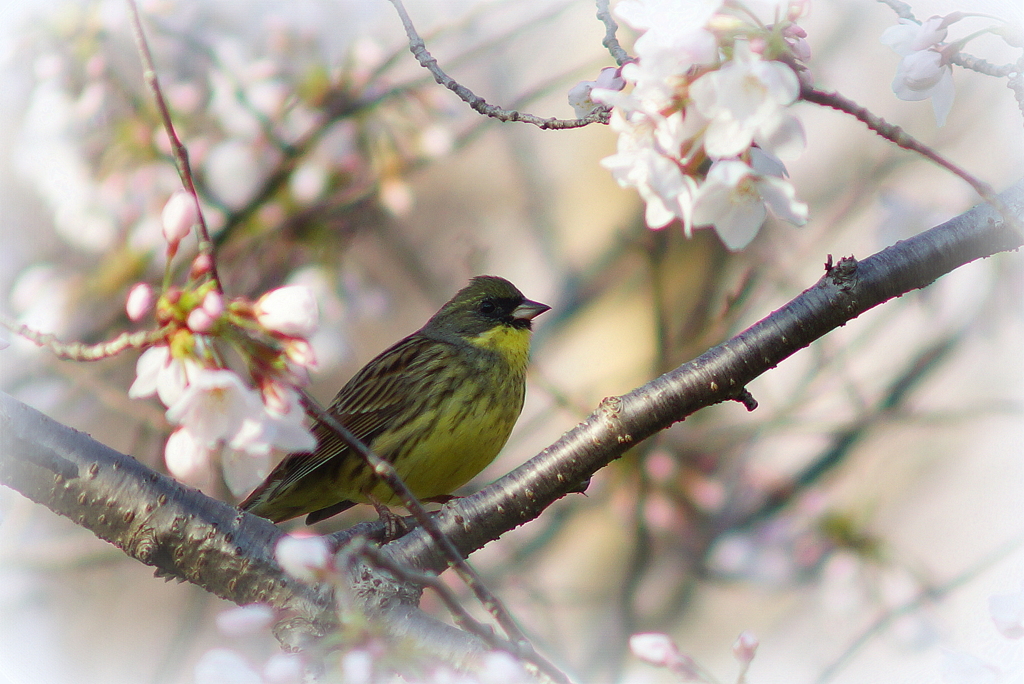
x=529, y=310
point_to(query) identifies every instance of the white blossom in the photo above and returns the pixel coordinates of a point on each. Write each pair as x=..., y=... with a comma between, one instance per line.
x=290, y=310
x=922, y=72
x=654, y=171
x=922, y=75
x=215, y=406
x=735, y=200
x=157, y=372
x=579, y=94
x=186, y=458
x=908, y=36
x=245, y=620
x=746, y=102
x=303, y=557
x=282, y=426
x=654, y=647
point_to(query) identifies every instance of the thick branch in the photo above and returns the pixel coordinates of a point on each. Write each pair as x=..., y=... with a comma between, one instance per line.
x=188, y=536
x=152, y=518
x=847, y=290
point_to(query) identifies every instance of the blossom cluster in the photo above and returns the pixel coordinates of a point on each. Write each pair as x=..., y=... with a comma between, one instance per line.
x=208, y=403
x=706, y=123
x=924, y=71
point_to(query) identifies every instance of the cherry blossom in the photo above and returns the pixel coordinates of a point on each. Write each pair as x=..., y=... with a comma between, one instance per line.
x=204, y=317
x=699, y=93
x=923, y=71
x=745, y=647
x=157, y=372
x=654, y=647
x=922, y=75
x=745, y=102
x=290, y=310
x=139, y=301
x=579, y=95
x=178, y=217
x=667, y=192
x=280, y=427
x=736, y=199
x=908, y=36
x=186, y=458
x=303, y=557
x=215, y=406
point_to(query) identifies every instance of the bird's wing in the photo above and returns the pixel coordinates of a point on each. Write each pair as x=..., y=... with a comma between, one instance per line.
x=367, y=405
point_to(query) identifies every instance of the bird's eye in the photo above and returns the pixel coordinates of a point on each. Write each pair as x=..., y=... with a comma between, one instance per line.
x=487, y=307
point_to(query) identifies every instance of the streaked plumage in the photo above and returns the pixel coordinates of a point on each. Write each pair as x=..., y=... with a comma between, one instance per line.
x=439, y=405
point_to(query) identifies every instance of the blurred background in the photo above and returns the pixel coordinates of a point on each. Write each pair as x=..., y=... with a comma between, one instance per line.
x=857, y=522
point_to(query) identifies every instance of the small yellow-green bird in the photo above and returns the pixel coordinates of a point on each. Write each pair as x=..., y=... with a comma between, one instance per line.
x=439, y=405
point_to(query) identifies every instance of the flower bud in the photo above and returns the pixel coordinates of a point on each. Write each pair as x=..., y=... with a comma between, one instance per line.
x=139, y=302
x=178, y=217
x=290, y=310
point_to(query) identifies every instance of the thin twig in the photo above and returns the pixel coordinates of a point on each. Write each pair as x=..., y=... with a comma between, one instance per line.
x=1016, y=84
x=178, y=149
x=901, y=9
x=897, y=135
x=981, y=66
x=406, y=574
x=79, y=351
x=519, y=645
x=610, y=40
x=419, y=50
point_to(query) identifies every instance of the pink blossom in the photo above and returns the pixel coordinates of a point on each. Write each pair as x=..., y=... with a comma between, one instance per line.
x=203, y=318
x=291, y=310
x=215, y=406
x=187, y=459
x=140, y=301
x=745, y=647
x=178, y=217
x=245, y=620
x=201, y=265
x=655, y=648
x=303, y=557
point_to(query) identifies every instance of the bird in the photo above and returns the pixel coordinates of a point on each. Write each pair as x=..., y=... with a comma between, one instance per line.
x=438, y=405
